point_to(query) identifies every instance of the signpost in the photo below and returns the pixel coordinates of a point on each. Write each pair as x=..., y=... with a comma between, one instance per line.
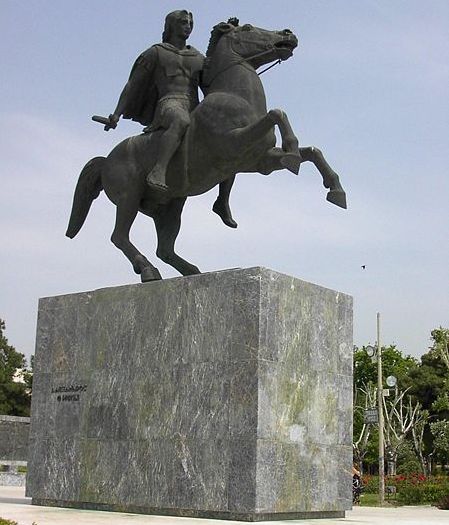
x=371, y=416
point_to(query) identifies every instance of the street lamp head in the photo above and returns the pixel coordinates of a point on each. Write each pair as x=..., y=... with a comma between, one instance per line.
x=391, y=381
x=370, y=350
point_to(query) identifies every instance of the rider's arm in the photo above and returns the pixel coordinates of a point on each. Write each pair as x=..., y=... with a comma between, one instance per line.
x=139, y=79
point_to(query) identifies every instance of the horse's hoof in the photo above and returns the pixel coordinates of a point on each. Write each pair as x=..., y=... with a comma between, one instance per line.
x=337, y=197
x=291, y=161
x=191, y=270
x=150, y=274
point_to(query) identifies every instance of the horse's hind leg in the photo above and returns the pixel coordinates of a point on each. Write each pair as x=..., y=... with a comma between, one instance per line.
x=336, y=193
x=168, y=223
x=126, y=213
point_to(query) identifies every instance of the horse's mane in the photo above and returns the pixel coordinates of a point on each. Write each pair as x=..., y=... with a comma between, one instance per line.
x=215, y=36
x=217, y=33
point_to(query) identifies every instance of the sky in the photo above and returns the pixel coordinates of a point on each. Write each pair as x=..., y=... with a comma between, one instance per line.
x=368, y=85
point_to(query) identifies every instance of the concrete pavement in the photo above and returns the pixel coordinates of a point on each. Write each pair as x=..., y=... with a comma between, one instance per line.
x=14, y=506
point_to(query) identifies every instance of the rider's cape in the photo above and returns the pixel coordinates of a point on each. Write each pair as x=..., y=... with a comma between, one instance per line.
x=141, y=93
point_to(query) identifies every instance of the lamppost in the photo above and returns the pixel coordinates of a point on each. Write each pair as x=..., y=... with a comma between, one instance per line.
x=371, y=351
x=391, y=463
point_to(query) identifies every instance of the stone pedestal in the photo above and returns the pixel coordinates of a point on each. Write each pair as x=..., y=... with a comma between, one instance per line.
x=225, y=395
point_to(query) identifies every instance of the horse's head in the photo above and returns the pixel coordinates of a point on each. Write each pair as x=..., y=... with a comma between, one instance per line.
x=255, y=45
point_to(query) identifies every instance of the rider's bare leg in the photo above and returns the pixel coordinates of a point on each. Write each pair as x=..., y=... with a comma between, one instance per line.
x=221, y=205
x=169, y=142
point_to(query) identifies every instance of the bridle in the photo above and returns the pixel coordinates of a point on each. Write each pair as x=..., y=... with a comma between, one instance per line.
x=245, y=60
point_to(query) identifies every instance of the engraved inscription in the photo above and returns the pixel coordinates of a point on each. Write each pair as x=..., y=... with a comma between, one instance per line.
x=70, y=393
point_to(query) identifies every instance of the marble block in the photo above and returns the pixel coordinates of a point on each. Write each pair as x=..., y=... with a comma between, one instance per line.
x=225, y=394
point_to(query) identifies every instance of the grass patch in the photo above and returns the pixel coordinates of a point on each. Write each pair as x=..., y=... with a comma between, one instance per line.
x=372, y=500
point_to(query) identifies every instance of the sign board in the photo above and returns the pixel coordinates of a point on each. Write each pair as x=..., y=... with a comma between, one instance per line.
x=371, y=416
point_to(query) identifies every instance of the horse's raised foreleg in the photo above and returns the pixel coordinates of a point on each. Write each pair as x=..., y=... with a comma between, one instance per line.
x=240, y=139
x=168, y=223
x=273, y=161
x=336, y=193
x=126, y=213
x=290, y=143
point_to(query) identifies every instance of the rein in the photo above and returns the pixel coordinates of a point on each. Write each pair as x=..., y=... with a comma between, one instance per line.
x=278, y=61
x=243, y=60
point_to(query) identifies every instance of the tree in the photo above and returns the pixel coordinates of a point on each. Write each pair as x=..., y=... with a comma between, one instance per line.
x=408, y=462
x=440, y=338
x=15, y=396
x=365, y=391
x=440, y=432
x=399, y=419
x=363, y=399
x=393, y=363
x=429, y=381
x=418, y=439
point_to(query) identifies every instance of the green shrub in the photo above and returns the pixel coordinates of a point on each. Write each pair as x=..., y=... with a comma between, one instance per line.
x=4, y=521
x=408, y=462
x=370, y=484
x=412, y=489
x=416, y=489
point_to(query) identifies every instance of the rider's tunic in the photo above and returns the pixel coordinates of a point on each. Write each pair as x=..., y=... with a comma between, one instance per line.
x=163, y=85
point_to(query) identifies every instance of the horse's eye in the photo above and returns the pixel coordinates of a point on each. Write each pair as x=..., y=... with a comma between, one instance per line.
x=247, y=27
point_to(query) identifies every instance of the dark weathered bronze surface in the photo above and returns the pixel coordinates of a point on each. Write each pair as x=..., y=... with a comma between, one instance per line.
x=187, y=147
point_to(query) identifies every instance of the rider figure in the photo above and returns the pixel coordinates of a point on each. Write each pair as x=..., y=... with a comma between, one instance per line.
x=161, y=92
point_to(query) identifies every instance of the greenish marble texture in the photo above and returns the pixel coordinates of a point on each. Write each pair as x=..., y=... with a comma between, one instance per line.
x=226, y=394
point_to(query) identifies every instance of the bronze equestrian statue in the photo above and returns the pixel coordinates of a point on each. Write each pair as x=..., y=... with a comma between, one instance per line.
x=160, y=94
x=229, y=132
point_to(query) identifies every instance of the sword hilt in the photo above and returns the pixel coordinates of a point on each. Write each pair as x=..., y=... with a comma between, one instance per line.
x=106, y=121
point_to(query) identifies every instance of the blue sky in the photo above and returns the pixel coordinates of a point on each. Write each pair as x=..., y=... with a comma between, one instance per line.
x=369, y=85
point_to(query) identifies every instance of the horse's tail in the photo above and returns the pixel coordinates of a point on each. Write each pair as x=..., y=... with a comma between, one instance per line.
x=87, y=190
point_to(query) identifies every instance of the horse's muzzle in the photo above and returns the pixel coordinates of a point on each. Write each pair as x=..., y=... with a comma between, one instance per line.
x=286, y=46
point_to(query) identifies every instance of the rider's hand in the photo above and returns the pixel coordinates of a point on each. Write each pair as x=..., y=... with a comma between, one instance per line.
x=113, y=120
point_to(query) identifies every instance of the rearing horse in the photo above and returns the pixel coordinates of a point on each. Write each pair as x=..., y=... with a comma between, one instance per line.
x=231, y=131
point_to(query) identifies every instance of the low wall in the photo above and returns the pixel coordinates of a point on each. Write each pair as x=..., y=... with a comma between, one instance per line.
x=14, y=437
